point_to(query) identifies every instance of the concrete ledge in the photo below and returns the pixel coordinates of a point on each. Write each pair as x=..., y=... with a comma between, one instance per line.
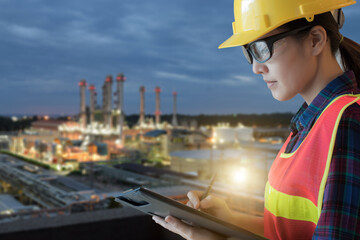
x=121, y=223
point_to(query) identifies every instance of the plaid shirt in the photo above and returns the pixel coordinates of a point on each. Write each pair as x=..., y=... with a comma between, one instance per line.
x=340, y=215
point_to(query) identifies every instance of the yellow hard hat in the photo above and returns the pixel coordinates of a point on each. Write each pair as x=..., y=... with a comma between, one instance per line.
x=255, y=18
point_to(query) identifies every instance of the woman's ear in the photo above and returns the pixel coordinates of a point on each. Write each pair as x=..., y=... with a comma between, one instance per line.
x=318, y=40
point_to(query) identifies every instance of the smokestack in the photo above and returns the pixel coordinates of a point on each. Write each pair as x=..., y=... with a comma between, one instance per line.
x=142, y=106
x=82, y=85
x=120, y=101
x=109, y=100
x=104, y=102
x=92, y=102
x=174, y=119
x=157, y=110
x=95, y=100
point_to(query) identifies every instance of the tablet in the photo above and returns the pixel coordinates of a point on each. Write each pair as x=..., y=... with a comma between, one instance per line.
x=153, y=203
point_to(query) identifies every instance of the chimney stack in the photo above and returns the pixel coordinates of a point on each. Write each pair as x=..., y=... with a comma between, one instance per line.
x=142, y=106
x=92, y=102
x=157, y=110
x=104, y=103
x=120, y=101
x=108, y=113
x=174, y=118
x=82, y=85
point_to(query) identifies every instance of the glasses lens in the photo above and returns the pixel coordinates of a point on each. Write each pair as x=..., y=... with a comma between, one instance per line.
x=260, y=51
x=247, y=54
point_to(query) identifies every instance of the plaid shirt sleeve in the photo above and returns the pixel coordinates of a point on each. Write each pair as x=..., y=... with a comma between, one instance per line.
x=340, y=215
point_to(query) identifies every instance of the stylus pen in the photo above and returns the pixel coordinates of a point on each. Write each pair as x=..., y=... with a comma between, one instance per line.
x=209, y=187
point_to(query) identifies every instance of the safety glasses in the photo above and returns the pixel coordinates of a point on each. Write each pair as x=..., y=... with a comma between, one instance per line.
x=262, y=50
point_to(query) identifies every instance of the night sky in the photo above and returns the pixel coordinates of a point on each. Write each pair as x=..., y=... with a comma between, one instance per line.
x=47, y=47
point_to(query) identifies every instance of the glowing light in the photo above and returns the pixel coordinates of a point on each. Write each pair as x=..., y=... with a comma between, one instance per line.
x=240, y=175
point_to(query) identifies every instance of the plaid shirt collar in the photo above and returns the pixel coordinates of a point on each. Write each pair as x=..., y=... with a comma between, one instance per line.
x=307, y=115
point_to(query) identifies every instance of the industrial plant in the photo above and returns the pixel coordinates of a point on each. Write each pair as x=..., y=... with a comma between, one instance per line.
x=101, y=133
x=59, y=167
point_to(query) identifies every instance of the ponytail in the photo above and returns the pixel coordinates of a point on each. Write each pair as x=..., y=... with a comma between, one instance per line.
x=350, y=56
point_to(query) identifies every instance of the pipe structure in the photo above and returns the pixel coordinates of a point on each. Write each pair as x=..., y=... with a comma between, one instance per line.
x=82, y=85
x=174, y=118
x=92, y=102
x=109, y=82
x=157, y=109
x=142, y=106
x=120, y=102
x=104, y=102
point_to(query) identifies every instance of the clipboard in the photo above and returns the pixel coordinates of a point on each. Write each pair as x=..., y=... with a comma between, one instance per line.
x=155, y=204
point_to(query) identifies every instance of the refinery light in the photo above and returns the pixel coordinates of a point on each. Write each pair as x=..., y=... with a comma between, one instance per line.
x=240, y=175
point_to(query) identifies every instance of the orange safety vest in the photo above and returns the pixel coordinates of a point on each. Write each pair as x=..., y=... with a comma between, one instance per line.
x=296, y=183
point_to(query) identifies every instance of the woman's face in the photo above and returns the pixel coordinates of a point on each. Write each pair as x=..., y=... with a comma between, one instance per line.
x=291, y=68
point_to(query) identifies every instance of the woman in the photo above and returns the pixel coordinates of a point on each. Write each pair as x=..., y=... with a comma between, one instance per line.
x=313, y=189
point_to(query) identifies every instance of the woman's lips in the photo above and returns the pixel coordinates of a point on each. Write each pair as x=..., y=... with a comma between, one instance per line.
x=270, y=84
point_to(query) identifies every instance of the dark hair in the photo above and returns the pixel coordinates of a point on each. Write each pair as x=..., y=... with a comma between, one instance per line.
x=349, y=50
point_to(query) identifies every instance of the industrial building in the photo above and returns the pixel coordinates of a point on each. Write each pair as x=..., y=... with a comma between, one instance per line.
x=59, y=141
x=9, y=205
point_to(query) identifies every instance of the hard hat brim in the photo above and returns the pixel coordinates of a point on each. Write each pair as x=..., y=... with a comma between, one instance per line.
x=244, y=38
x=237, y=40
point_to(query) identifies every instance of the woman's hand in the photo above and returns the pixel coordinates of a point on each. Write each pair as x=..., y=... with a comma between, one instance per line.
x=212, y=205
x=186, y=231
x=216, y=207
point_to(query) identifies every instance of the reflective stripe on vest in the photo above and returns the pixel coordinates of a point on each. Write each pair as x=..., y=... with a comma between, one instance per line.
x=287, y=206
x=295, y=189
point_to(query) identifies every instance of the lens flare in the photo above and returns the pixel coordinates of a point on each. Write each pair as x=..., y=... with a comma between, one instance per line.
x=240, y=175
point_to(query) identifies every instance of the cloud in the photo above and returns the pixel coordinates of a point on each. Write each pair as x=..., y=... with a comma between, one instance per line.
x=81, y=35
x=237, y=80
x=43, y=85
x=31, y=33
x=179, y=77
x=244, y=79
x=230, y=82
x=139, y=27
x=68, y=28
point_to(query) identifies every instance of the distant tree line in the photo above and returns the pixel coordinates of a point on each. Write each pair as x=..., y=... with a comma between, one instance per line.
x=7, y=124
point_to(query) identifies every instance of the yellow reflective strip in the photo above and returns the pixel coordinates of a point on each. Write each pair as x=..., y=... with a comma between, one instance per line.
x=288, y=155
x=330, y=153
x=290, y=207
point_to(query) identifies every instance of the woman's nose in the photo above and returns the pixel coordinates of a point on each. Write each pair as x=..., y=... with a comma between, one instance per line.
x=259, y=68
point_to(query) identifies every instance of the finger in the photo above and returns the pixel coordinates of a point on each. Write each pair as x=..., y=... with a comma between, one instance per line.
x=164, y=224
x=173, y=225
x=189, y=232
x=194, y=198
x=180, y=227
x=190, y=204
